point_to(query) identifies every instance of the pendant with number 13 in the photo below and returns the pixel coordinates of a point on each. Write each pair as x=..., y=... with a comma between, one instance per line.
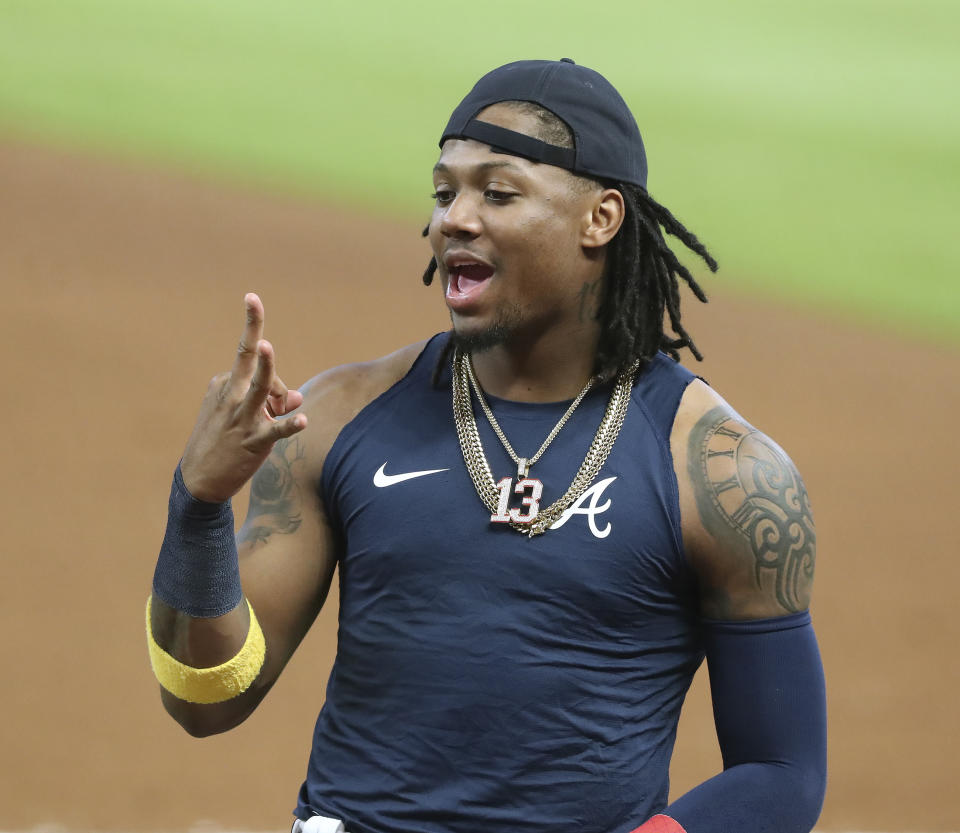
x=530, y=503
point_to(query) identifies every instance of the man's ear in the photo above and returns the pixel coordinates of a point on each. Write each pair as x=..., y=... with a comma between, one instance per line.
x=606, y=212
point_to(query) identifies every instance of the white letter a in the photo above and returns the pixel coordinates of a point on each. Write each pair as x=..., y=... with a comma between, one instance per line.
x=594, y=493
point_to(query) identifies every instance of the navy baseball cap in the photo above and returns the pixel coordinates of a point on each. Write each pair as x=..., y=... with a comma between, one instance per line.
x=607, y=143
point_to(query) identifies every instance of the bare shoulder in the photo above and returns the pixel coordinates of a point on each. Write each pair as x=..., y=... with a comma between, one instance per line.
x=747, y=524
x=336, y=396
x=284, y=493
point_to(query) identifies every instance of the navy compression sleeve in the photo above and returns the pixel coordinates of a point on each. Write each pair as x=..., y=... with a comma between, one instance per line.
x=769, y=705
x=197, y=571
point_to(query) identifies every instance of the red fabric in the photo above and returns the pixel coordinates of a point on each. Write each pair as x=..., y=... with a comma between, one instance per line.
x=660, y=824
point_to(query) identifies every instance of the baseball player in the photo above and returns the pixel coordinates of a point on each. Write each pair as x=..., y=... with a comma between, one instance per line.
x=543, y=521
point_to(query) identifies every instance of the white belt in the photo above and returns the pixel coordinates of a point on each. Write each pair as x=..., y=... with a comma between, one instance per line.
x=318, y=824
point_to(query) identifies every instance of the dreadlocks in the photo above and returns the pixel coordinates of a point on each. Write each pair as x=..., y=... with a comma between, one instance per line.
x=642, y=277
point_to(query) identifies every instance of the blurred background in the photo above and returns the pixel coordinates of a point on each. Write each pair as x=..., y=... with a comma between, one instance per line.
x=159, y=159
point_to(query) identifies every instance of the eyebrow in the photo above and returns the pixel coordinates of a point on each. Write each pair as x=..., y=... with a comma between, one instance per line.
x=440, y=168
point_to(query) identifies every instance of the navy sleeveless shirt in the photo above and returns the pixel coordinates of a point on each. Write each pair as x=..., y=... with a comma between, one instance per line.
x=485, y=680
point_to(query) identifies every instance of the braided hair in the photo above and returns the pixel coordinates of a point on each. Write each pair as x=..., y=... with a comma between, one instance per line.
x=642, y=275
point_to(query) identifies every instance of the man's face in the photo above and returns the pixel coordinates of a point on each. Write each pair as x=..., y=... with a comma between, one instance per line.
x=507, y=234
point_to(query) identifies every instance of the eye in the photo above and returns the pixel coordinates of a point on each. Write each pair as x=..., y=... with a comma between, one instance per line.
x=493, y=195
x=443, y=196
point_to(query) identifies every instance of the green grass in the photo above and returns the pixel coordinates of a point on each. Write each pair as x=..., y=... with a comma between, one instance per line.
x=813, y=146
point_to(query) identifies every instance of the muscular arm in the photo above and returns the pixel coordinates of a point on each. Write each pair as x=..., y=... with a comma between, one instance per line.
x=752, y=541
x=286, y=549
x=287, y=557
x=749, y=534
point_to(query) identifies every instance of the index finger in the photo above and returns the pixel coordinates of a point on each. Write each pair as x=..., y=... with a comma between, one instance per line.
x=246, y=361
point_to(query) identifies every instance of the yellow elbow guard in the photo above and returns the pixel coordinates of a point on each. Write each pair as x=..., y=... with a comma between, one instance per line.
x=209, y=685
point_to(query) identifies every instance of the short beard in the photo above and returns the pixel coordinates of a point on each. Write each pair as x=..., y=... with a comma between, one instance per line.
x=498, y=333
x=480, y=342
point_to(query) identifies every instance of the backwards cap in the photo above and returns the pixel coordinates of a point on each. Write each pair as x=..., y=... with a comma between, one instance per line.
x=607, y=143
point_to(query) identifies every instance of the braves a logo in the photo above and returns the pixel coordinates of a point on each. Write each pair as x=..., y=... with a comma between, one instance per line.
x=593, y=494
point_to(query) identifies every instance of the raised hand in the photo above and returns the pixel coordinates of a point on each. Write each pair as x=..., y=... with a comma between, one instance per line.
x=238, y=424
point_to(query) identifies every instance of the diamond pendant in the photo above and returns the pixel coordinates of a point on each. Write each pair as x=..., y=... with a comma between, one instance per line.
x=530, y=504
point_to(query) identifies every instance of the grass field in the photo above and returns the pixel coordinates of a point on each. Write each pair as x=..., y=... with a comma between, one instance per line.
x=809, y=144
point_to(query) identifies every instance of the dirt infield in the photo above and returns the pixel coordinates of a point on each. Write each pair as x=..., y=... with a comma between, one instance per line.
x=124, y=289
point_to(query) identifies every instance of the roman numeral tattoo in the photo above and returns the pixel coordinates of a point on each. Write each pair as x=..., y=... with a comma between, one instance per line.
x=751, y=499
x=729, y=483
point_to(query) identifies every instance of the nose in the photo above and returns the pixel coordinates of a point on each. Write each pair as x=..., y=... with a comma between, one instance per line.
x=461, y=218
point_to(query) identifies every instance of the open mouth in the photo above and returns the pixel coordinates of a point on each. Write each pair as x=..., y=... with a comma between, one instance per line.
x=467, y=278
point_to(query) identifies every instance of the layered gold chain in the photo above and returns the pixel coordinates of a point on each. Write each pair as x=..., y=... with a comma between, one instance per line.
x=476, y=460
x=523, y=463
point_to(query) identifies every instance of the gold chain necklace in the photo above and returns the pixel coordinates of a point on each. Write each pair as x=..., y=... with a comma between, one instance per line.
x=523, y=464
x=529, y=518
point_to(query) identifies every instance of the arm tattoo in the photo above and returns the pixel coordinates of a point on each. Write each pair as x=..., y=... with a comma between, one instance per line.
x=275, y=500
x=748, y=491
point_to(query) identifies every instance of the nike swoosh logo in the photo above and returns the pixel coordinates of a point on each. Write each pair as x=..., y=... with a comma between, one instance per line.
x=381, y=478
